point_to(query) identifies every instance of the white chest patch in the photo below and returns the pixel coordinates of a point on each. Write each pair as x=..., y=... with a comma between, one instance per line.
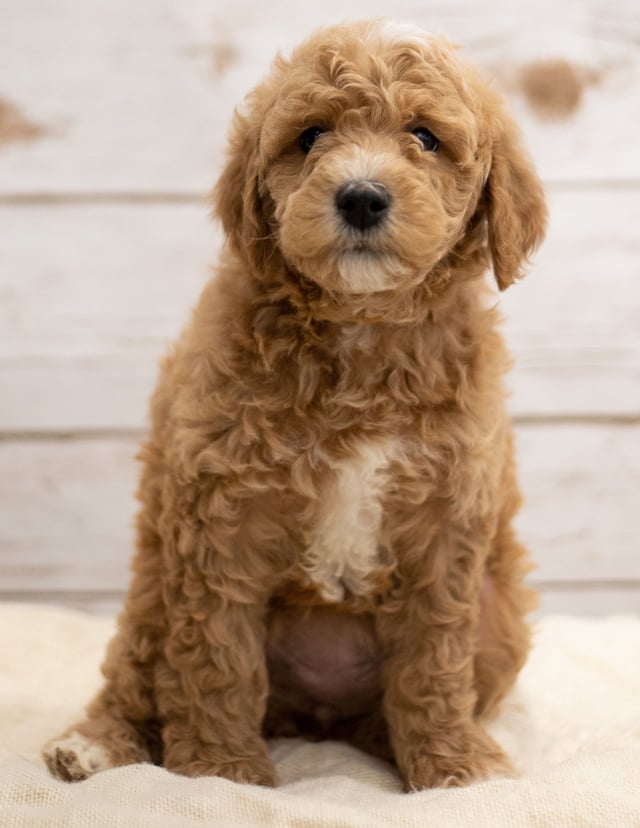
x=343, y=550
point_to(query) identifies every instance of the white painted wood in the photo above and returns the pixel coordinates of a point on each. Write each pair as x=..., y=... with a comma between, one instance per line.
x=580, y=518
x=573, y=324
x=90, y=297
x=138, y=96
x=66, y=508
x=595, y=601
x=97, y=603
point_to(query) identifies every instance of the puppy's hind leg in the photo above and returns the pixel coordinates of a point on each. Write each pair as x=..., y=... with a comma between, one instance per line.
x=116, y=728
x=120, y=727
x=504, y=633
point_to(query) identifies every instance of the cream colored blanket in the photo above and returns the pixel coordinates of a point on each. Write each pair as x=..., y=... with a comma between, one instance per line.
x=572, y=727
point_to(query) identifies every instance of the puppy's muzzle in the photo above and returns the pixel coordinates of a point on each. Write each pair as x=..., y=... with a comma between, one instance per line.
x=363, y=204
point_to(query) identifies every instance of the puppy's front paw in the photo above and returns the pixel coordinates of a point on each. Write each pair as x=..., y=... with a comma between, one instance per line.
x=75, y=757
x=454, y=762
x=256, y=771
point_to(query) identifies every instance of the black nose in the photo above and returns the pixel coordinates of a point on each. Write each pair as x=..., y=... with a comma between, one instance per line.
x=363, y=204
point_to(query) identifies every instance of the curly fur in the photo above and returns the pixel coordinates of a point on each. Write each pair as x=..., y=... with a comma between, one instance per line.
x=325, y=544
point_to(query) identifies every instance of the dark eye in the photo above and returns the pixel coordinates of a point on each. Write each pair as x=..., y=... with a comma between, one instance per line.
x=308, y=138
x=428, y=140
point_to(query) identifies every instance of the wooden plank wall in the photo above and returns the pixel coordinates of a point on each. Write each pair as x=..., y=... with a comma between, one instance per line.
x=112, y=126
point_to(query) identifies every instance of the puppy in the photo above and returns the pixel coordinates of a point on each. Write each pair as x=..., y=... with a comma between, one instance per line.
x=325, y=545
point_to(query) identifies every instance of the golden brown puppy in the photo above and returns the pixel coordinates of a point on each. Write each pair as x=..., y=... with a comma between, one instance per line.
x=325, y=544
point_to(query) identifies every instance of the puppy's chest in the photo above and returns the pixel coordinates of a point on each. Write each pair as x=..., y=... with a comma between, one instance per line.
x=343, y=552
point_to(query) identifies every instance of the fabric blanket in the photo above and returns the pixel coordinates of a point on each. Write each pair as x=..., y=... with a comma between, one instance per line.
x=572, y=727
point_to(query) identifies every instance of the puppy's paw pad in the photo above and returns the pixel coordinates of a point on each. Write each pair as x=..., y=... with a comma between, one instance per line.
x=75, y=757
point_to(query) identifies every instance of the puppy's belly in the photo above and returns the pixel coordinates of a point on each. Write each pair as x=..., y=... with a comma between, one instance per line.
x=323, y=660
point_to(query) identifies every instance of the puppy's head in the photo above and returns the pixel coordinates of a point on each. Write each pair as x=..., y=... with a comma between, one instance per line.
x=375, y=162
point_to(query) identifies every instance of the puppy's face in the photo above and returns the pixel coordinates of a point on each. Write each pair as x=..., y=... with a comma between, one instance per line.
x=366, y=157
x=377, y=159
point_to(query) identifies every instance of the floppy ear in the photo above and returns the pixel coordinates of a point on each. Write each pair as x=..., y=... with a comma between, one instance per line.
x=516, y=209
x=237, y=199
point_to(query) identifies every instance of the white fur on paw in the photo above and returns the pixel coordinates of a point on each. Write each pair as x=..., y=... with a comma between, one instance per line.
x=75, y=757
